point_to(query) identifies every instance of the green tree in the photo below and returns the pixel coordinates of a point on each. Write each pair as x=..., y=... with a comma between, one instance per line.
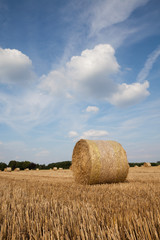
x=12, y=164
x=2, y=166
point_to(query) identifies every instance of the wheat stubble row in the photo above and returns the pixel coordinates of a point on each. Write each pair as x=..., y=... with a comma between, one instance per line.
x=49, y=205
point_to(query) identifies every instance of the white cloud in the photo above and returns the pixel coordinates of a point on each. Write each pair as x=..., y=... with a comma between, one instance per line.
x=129, y=94
x=86, y=75
x=42, y=153
x=73, y=134
x=90, y=73
x=26, y=109
x=69, y=96
x=90, y=76
x=92, y=109
x=108, y=13
x=55, y=82
x=97, y=134
x=93, y=61
x=148, y=65
x=14, y=66
x=90, y=134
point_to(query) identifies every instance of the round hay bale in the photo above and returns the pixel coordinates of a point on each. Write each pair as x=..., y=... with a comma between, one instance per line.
x=8, y=169
x=136, y=166
x=17, y=169
x=98, y=161
x=27, y=169
x=60, y=168
x=37, y=169
x=55, y=169
x=147, y=164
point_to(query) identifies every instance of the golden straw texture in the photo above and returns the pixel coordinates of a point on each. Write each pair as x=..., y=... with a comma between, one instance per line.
x=8, y=169
x=98, y=161
x=147, y=164
x=17, y=169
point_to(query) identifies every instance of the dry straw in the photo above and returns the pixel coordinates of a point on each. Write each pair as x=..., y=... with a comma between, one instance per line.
x=70, y=167
x=17, y=169
x=98, y=161
x=136, y=166
x=55, y=169
x=8, y=169
x=147, y=164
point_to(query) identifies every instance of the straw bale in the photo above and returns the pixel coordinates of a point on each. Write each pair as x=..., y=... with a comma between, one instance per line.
x=17, y=169
x=70, y=167
x=136, y=166
x=37, y=169
x=8, y=169
x=55, y=169
x=27, y=169
x=98, y=161
x=60, y=168
x=147, y=164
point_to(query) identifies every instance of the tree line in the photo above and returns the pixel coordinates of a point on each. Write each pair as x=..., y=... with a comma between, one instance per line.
x=65, y=165
x=27, y=164
x=141, y=163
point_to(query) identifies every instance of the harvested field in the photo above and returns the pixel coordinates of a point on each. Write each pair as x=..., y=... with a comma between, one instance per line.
x=50, y=205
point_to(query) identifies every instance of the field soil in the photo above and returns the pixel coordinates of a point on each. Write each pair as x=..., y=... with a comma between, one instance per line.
x=49, y=205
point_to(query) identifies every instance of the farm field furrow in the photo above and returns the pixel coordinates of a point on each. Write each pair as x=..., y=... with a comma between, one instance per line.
x=49, y=205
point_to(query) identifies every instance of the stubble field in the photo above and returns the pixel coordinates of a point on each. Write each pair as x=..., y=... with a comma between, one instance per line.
x=49, y=205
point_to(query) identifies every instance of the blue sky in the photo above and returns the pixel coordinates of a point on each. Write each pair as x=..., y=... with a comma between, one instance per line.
x=79, y=69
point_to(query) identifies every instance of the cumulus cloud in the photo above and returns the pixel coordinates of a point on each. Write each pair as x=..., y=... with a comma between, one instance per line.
x=92, y=109
x=91, y=76
x=93, y=61
x=14, y=67
x=90, y=73
x=87, y=74
x=129, y=94
x=73, y=134
x=97, y=134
